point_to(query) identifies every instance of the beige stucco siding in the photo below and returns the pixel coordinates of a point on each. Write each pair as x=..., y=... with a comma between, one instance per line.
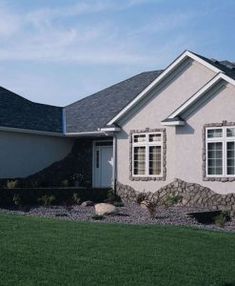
x=164, y=100
x=24, y=154
x=190, y=144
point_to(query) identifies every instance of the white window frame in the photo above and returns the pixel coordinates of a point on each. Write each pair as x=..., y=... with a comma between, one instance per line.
x=224, y=140
x=147, y=144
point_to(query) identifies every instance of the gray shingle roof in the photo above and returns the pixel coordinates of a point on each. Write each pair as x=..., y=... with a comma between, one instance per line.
x=96, y=110
x=18, y=112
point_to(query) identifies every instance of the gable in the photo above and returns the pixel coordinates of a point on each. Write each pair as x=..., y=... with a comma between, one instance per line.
x=168, y=95
x=200, y=96
x=176, y=64
x=217, y=105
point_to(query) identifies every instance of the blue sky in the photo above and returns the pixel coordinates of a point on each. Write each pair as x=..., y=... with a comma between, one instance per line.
x=58, y=51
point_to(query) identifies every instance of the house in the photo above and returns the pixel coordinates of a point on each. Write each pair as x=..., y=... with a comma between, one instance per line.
x=142, y=132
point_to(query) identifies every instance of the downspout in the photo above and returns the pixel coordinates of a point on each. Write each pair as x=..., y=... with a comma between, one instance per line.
x=114, y=162
x=64, y=121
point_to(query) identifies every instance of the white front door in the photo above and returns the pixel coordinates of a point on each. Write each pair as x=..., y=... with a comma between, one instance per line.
x=103, y=166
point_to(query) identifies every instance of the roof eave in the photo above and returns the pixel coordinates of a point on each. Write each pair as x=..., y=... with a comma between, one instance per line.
x=85, y=133
x=173, y=123
x=110, y=129
x=30, y=131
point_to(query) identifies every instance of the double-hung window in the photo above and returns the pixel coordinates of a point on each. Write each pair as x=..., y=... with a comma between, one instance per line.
x=147, y=154
x=220, y=151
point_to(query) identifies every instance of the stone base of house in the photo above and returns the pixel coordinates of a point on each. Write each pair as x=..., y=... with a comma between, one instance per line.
x=193, y=195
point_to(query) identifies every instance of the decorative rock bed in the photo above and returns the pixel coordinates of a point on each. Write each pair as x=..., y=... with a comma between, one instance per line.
x=131, y=213
x=193, y=195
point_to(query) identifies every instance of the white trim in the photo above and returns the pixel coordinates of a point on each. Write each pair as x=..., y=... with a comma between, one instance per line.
x=146, y=144
x=68, y=134
x=30, y=131
x=227, y=78
x=192, y=99
x=93, y=164
x=114, y=161
x=176, y=62
x=173, y=123
x=94, y=149
x=100, y=132
x=91, y=133
x=224, y=139
x=200, y=92
x=110, y=129
x=203, y=62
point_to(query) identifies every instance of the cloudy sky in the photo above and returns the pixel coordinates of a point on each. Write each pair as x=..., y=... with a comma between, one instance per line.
x=58, y=51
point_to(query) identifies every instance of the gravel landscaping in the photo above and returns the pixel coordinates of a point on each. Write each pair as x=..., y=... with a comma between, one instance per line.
x=130, y=213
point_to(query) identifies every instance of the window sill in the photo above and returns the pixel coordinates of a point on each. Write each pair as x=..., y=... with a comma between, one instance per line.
x=219, y=179
x=147, y=178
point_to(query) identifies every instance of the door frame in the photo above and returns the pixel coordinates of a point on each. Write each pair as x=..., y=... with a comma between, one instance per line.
x=94, y=159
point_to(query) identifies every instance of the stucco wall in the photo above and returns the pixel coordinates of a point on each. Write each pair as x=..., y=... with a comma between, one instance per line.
x=189, y=141
x=165, y=99
x=24, y=154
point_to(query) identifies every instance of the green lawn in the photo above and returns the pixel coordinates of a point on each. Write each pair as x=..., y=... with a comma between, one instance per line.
x=36, y=251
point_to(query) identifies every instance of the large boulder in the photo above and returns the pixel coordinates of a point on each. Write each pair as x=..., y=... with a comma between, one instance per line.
x=105, y=209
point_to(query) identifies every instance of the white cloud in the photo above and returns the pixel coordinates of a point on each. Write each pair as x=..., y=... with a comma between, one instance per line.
x=9, y=22
x=117, y=38
x=45, y=15
x=41, y=35
x=167, y=23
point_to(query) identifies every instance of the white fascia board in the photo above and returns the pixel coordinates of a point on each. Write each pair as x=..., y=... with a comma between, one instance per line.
x=203, y=62
x=110, y=129
x=176, y=62
x=29, y=131
x=173, y=123
x=99, y=132
x=228, y=79
x=89, y=133
x=199, y=93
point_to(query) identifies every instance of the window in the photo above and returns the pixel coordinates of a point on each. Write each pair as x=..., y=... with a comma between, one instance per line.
x=147, y=154
x=220, y=150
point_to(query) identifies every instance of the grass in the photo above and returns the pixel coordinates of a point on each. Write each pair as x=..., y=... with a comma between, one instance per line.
x=37, y=251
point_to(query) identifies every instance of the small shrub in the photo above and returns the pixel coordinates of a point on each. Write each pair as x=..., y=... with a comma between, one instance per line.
x=78, y=179
x=111, y=196
x=47, y=200
x=98, y=217
x=76, y=199
x=65, y=183
x=140, y=198
x=11, y=184
x=172, y=200
x=17, y=200
x=221, y=219
x=152, y=209
x=118, y=204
